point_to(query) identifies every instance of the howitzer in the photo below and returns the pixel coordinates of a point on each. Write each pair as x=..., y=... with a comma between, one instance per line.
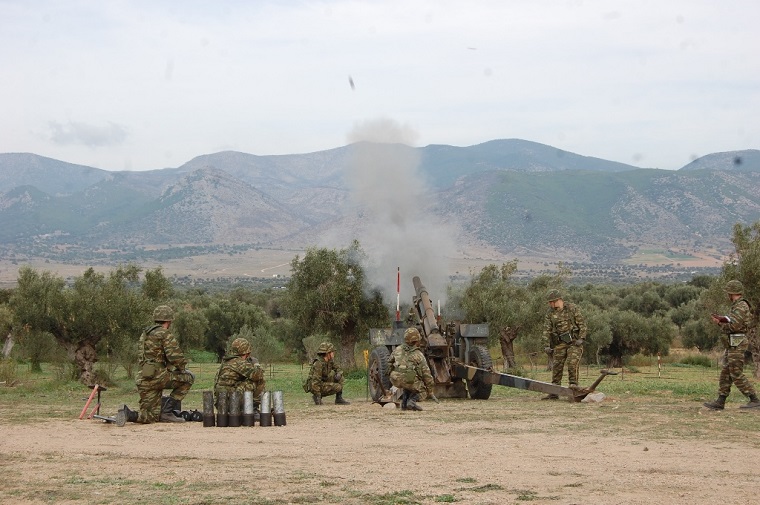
x=457, y=355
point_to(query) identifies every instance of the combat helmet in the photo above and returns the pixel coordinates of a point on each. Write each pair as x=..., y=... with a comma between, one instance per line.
x=734, y=287
x=240, y=347
x=553, y=295
x=325, y=347
x=163, y=313
x=412, y=336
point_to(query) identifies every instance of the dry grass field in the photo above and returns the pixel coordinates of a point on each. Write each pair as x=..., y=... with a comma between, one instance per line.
x=649, y=441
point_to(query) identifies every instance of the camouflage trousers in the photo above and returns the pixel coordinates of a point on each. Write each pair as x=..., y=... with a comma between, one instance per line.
x=329, y=388
x=242, y=387
x=150, y=391
x=418, y=386
x=733, y=372
x=570, y=354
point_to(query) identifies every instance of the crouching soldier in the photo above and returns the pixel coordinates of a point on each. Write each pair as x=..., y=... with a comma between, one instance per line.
x=410, y=372
x=239, y=372
x=161, y=365
x=325, y=376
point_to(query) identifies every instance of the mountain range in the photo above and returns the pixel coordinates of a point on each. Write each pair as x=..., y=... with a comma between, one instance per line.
x=515, y=197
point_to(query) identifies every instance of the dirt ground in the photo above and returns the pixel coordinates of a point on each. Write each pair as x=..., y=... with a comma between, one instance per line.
x=503, y=450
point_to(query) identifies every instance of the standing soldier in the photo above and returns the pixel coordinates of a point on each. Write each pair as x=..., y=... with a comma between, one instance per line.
x=563, y=337
x=735, y=342
x=409, y=371
x=161, y=366
x=325, y=376
x=239, y=372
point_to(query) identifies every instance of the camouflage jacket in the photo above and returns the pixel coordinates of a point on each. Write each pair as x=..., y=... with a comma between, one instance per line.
x=236, y=370
x=323, y=371
x=558, y=322
x=409, y=361
x=740, y=316
x=159, y=346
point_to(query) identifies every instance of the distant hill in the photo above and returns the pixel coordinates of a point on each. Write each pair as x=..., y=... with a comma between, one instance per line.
x=738, y=161
x=519, y=197
x=46, y=174
x=604, y=217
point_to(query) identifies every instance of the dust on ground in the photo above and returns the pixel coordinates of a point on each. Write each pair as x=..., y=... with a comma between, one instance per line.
x=504, y=450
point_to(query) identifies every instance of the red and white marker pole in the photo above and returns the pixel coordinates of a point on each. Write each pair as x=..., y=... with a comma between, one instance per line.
x=398, y=293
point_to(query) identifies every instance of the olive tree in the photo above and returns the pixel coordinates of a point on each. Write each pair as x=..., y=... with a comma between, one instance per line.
x=511, y=308
x=225, y=317
x=633, y=333
x=96, y=308
x=327, y=292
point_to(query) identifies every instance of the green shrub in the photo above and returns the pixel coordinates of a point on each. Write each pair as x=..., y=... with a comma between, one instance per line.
x=517, y=371
x=8, y=372
x=201, y=356
x=697, y=360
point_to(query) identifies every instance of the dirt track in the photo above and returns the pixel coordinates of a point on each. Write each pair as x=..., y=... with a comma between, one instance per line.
x=499, y=451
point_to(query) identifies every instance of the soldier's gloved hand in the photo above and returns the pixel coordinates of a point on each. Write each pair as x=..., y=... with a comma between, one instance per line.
x=548, y=350
x=337, y=377
x=579, y=342
x=188, y=372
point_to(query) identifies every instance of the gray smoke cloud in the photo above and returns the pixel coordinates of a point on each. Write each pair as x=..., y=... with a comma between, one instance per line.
x=394, y=201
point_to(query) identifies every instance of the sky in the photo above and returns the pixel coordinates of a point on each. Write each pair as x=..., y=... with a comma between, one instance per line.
x=139, y=85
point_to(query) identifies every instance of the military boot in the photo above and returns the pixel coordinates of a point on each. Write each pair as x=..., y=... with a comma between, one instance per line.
x=167, y=411
x=550, y=397
x=718, y=404
x=411, y=403
x=125, y=414
x=257, y=413
x=339, y=399
x=317, y=399
x=754, y=403
x=404, y=400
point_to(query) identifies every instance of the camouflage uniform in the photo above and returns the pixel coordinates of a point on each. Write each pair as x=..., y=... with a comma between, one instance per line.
x=325, y=376
x=409, y=371
x=564, y=332
x=735, y=340
x=733, y=357
x=161, y=366
x=237, y=373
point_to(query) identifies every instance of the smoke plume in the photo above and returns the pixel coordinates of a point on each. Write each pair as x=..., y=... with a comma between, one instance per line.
x=394, y=202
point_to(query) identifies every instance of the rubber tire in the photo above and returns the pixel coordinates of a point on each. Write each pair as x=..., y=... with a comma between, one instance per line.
x=481, y=358
x=378, y=362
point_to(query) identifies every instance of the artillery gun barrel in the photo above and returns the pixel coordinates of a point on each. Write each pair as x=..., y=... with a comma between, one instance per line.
x=427, y=315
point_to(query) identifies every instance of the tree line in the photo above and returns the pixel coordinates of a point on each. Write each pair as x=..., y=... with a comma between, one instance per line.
x=327, y=297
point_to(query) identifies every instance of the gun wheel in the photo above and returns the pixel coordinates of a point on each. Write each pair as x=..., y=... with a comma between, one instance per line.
x=378, y=371
x=479, y=357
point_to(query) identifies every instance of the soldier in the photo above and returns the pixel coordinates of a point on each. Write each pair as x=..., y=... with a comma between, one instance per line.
x=735, y=342
x=563, y=337
x=411, y=317
x=325, y=376
x=161, y=366
x=409, y=371
x=239, y=372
